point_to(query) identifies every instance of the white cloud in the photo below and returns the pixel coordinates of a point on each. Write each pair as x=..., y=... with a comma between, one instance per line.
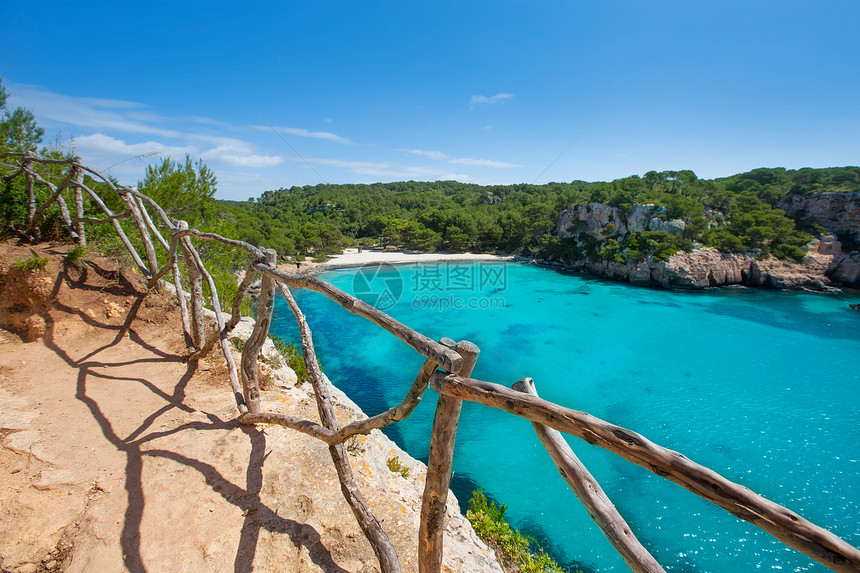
x=207, y=121
x=439, y=156
x=108, y=103
x=363, y=167
x=430, y=173
x=240, y=156
x=390, y=170
x=306, y=133
x=125, y=161
x=481, y=162
x=484, y=100
x=89, y=113
x=101, y=148
x=123, y=136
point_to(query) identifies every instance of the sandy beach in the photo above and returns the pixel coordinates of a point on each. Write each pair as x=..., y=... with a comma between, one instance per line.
x=353, y=258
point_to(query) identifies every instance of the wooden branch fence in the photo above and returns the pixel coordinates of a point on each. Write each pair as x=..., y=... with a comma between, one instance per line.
x=447, y=370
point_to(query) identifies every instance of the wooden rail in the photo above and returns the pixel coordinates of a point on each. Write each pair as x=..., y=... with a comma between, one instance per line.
x=447, y=370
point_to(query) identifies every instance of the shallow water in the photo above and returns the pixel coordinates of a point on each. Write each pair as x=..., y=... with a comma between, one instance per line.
x=761, y=386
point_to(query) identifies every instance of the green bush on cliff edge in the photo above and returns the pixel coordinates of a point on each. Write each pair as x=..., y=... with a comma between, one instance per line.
x=513, y=548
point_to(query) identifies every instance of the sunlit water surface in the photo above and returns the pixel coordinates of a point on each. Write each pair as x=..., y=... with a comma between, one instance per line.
x=761, y=386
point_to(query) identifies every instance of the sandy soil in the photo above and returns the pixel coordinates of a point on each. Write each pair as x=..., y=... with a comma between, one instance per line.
x=118, y=455
x=352, y=258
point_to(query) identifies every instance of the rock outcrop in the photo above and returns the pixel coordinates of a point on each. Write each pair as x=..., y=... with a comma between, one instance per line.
x=706, y=267
x=845, y=269
x=602, y=221
x=24, y=297
x=825, y=266
x=370, y=453
x=839, y=213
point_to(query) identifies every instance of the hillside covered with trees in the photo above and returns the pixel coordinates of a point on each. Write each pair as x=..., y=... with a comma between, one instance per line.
x=734, y=214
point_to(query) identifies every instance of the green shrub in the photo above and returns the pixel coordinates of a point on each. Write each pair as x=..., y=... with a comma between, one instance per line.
x=294, y=358
x=75, y=256
x=490, y=524
x=395, y=465
x=789, y=252
x=31, y=264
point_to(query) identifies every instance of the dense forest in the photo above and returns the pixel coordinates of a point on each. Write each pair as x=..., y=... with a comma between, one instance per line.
x=733, y=214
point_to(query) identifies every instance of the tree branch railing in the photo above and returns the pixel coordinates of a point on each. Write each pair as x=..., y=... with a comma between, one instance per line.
x=447, y=369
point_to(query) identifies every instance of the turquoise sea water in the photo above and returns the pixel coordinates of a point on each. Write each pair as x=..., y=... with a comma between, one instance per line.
x=761, y=386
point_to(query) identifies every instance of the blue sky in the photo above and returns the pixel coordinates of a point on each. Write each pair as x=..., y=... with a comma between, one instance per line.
x=483, y=92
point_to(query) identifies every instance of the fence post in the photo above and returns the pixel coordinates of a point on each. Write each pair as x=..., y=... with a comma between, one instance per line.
x=266, y=303
x=600, y=508
x=439, y=464
x=79, y=201
x=198, y=322
x=367, y=521
x=149, y=249
x=27, y=164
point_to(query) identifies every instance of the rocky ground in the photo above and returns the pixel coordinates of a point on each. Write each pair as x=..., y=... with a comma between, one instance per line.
x=117, y=455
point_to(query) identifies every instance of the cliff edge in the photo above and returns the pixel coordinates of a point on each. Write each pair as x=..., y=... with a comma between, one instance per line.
x=595, y=232
x=119, y=456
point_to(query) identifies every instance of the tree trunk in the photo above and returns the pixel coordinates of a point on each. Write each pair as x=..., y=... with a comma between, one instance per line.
x=250, y=381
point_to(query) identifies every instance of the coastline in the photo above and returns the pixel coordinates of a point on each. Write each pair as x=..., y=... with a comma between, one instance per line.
x=701, y=269
x=351, y=258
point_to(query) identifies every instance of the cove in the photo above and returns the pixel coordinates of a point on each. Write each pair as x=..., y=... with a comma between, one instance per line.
x=761, y=386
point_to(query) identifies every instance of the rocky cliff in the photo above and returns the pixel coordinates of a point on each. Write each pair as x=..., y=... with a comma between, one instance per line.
x=824, y=266
x=600, y=221
x=118, y=455
x=839, y=213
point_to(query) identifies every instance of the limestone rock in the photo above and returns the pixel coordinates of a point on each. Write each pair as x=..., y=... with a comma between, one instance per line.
x=24, y=298
x=822, y=267
x=845, y=269
x=775, y=273
x=838, y=212
x=34, y=328
x=602, y=221
x=827, y=245
x=640, y=275
x=701, y=268
x=283, y=375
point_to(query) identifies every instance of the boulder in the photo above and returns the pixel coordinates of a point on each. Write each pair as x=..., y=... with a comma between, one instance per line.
x=839, y=213
x=845, y=269
x=640, y=275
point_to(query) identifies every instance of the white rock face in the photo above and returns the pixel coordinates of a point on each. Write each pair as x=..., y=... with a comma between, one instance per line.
x=602, y=221
x=838, y=212
x=703, y=267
